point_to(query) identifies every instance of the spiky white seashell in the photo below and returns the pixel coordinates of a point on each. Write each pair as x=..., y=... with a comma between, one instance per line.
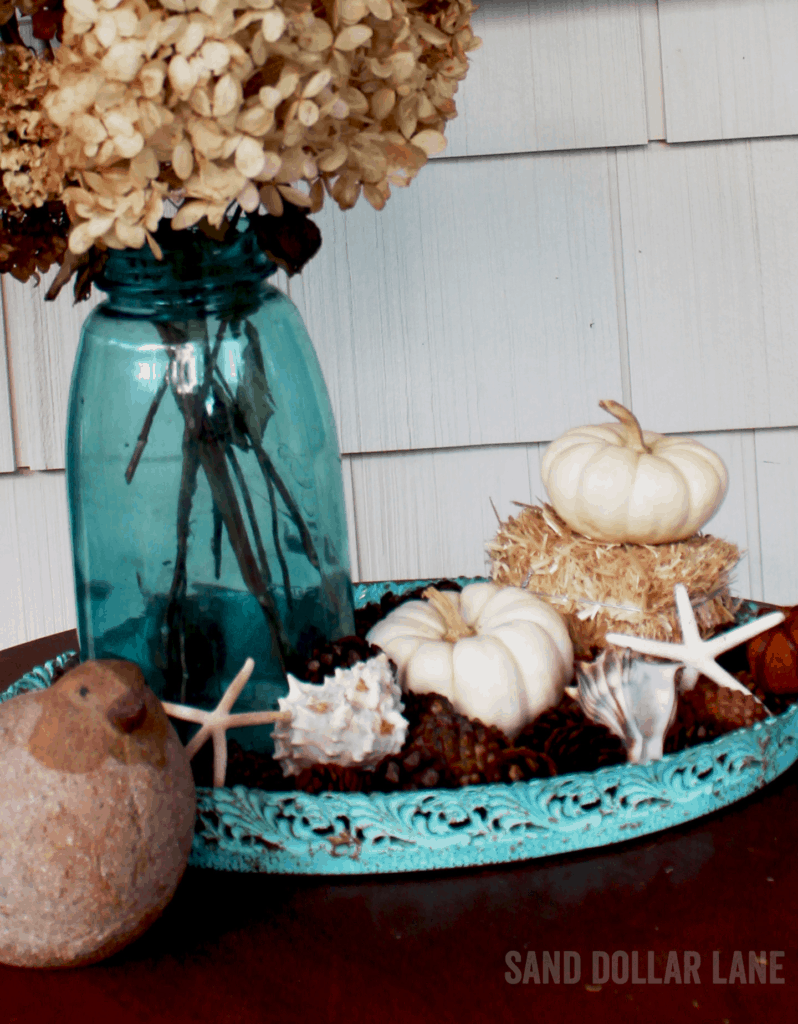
x=353, y=718
x=634, y=698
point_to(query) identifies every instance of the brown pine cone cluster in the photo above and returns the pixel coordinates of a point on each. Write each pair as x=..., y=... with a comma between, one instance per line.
x=325, y=658
x=573, y=743
x=728, y=708
x=709, y=711
x=444, y=748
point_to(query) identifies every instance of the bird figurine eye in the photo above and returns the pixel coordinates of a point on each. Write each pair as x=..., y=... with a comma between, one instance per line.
x=83, y=691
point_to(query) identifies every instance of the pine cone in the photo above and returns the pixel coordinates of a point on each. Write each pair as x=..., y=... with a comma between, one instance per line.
x=325, y=658
x=445, y=748
x=571, y=741
x=729, y=709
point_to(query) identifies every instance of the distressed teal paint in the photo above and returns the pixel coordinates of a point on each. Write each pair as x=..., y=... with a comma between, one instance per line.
x=243, y=829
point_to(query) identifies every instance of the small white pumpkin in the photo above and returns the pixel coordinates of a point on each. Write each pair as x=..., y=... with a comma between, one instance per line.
x=498, y=654
x=615, y=482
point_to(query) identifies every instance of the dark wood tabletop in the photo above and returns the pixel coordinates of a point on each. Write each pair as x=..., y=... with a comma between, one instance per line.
x=453, y=947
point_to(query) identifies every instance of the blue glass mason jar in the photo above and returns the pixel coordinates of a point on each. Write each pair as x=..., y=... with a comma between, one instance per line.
x=204, y=477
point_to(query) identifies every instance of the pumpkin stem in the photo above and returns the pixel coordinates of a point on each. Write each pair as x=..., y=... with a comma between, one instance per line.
x=456, y=626
x=630, y=421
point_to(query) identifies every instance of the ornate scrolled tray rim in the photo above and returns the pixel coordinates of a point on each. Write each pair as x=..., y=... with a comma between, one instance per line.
x=242, y=829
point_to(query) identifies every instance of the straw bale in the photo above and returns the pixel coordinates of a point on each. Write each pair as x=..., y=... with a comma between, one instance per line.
x=623, y=588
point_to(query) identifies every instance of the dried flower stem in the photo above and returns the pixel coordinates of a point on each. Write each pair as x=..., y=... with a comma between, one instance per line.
x=175, y=617
x=270, y=473
x=213, y=462
x=141, y=444
x=250, y=509
x=278, y=547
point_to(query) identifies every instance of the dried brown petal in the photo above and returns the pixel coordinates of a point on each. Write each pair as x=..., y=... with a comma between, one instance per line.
x=307, y=113
x=152, y=77
x=82, y=237
x=403, y=64
x=131, y=235
x=154, y=247
x=430, y=33
x=182, y=76
x=406, y=116
x=272, y=200
x=381, y=9
x=191, y=39
x=346, y=190
x=182, y=160
x=377, y=196
x=123, y=61
x=105, y=29
x=430, y=141
x=215, y=55
x=288, y=84
x=227, y=96
x=271, y=167
x=248, y=199
x=270, y=97
x=84, y=10
x=352, y=37
x=144, y=167
x=293, y=195
x=200, y=102
x=249, y=157
x=88, y=128
x=188, y=215
x=382, y=103
x=316, y=36
x=129, y=146
x=332, y=159
x=316, y=196
x=273, y=25
x=316, y=83
x=255, y=120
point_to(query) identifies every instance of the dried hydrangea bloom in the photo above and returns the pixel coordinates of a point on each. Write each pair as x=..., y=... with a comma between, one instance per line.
x=32, y=171
x=259, y=101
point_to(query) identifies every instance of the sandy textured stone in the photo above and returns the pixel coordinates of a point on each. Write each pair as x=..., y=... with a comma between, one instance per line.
x=97, y=808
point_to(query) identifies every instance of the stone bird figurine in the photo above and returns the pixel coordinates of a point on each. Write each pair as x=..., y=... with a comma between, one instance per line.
x=97, y=809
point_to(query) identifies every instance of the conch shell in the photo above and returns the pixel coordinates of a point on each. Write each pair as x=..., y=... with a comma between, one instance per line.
x=354, y=719
x=634, y=698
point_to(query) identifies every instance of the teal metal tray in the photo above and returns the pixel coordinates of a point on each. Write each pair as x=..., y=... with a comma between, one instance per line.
x=242, y=829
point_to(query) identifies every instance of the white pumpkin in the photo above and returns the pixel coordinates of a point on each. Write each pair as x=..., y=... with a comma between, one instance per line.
x=615, y=482
x=498, y=654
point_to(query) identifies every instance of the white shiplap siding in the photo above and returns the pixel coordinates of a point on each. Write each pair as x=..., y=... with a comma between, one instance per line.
x=36, y=597
x=429, y=513
x=478, y=307
x=729, y=68
x=708, y=292
x=7, y=460
x=550, y=76
x=42, y=338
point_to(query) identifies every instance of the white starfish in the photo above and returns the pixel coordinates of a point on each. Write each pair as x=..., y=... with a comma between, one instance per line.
x=216, y=723
x=696, y=654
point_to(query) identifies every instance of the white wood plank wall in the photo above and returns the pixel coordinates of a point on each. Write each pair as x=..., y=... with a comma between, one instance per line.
x=615, y=216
